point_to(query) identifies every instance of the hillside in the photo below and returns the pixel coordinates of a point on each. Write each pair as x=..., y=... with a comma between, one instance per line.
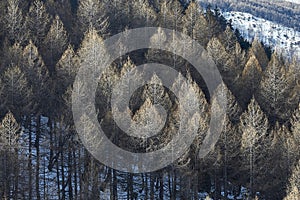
x=285, y=40
x=281, y=12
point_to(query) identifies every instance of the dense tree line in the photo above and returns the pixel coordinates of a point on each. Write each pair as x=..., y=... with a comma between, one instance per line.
x=43, y=43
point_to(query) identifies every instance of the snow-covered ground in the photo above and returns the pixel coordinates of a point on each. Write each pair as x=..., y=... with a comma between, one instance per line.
x=281, y=38
x=294, y=1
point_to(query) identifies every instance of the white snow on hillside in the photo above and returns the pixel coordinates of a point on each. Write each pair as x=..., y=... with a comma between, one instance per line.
x=281, y=38
x=294, y=1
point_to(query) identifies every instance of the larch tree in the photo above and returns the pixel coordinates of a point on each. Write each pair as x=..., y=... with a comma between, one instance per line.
x=92, y=13
x=216, y=49
x=17, y=97
x=201, y=31
x=234, y=62
x=91, y=47
x=12, y=56
x=224, y=156
x=157, y=93
x=189, y=97
x=38, y=77
x=274, y=90
x=16, y=91
x=254, y=144
x=9, y=135
x=192, y=18
x=148, y=117
x=283, y=155
x=228, y=39
x=143, y=14
x=160, y=38
x=240, y=57
x=259, y=52
x=88, y=53
x=251, y=77
x=15, y=23
x=234, y=110
x=67, y=68
x=9, y=131
x=223, y=60
x=89, y=50
x=170, y=14
x=38, y=21
x=108, y=79
x=54, y=44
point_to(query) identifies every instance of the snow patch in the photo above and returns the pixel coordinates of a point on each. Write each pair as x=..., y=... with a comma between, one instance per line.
x=283, y=39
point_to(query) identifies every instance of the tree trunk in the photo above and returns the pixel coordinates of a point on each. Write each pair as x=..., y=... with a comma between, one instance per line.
x=37, y=146
x=30, y=159
x=152, y=186
x=161, y=186
x=75, y=173
x=70, y=173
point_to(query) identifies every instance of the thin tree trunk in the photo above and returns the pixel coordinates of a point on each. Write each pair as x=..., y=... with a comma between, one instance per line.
x=16, y=190
x=170, y=185
x=61, y=152
x=161, y=186
x=70, y=172
x=57, y=164
x=45, y=182
x=30, y=159
x=151, y=187
x=174, y=185
x=145, y=186
x=225, y=173
x=130, y=186
x=37, y=146
x=75, y=174
x=251, y=171
x=115, y=184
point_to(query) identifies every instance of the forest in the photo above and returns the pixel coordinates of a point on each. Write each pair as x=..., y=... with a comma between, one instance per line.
x=43, y=44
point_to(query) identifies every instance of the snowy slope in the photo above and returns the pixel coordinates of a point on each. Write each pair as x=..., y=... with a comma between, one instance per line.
x=294, y=1
x=281, y=38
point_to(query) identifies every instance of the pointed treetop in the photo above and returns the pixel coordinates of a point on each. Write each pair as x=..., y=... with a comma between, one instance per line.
x=57, y=29
x=234, y=110
x=127, y=66
x=91, y=46
x=258, y=50
x=9, y=130
x=252, y=67
x=67, y=56
x=31, y=49
x=253, y=123
x=68, y=64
